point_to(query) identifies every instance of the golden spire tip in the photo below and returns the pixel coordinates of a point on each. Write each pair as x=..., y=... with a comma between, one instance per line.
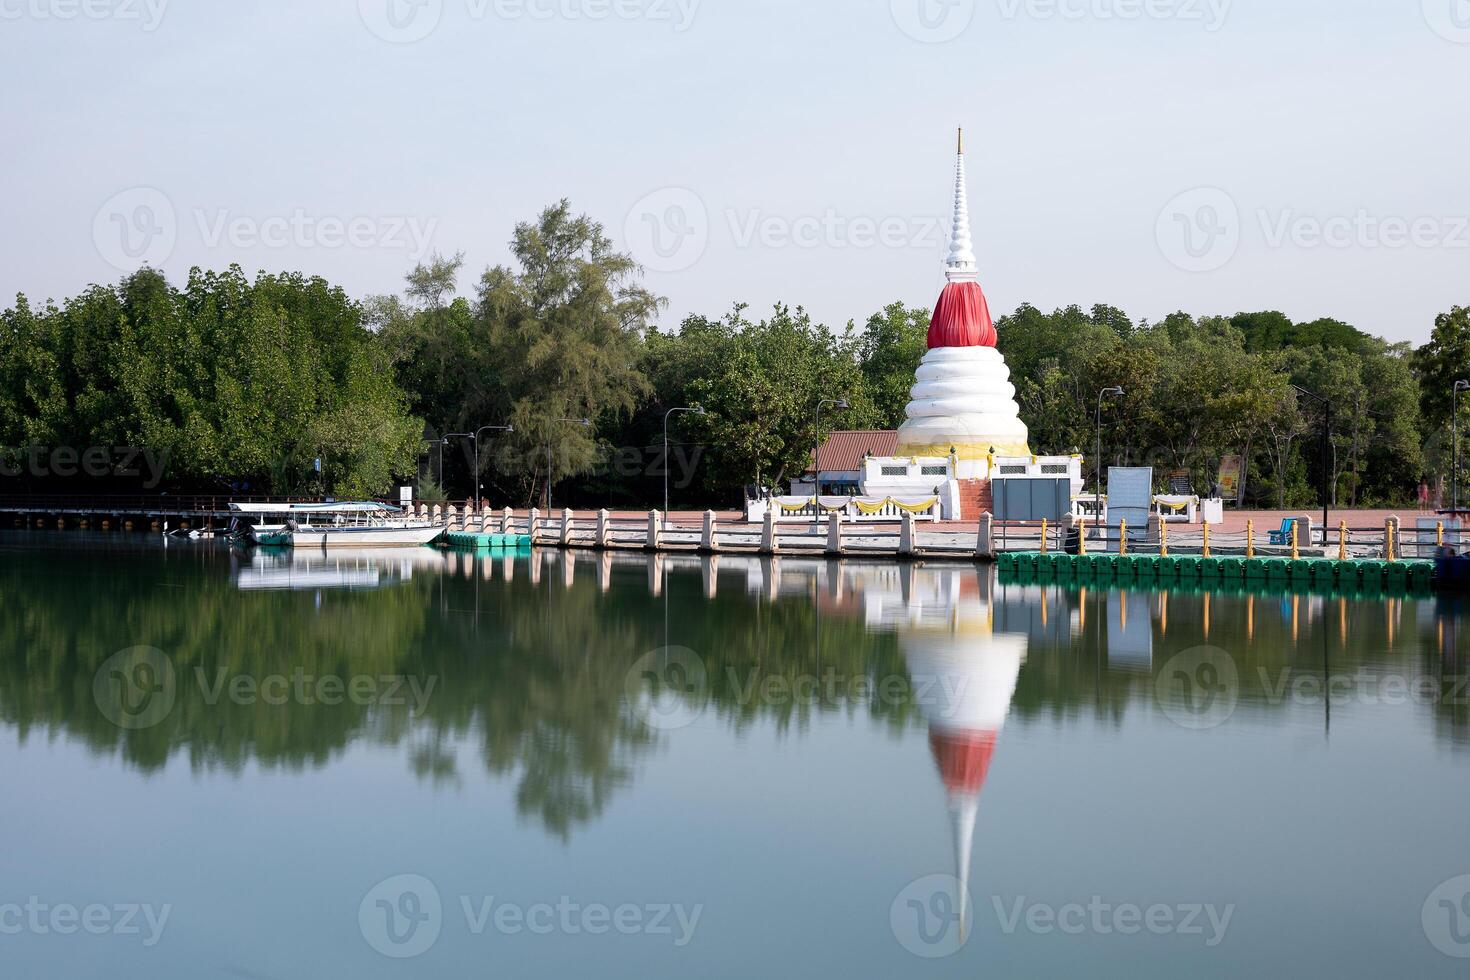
x=962, y=140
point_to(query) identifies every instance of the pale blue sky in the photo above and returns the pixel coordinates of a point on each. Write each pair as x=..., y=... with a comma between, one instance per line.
x=720, y=129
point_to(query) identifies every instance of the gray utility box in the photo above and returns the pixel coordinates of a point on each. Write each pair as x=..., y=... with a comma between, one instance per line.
x=1031, y=498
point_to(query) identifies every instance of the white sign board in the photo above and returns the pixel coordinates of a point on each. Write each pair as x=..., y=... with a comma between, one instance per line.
x=1130, y=630
x=1423, y=540
x=405, y=496
x=1130, y=498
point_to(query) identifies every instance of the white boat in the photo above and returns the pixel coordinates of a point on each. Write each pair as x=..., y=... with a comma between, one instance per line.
x=305, y=569
x=335, y=525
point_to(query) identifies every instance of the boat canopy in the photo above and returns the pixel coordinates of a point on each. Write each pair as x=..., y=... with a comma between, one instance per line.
x=343, y=507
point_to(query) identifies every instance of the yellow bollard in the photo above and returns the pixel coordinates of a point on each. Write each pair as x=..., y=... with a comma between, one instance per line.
x=1388, y=549
x=1123, y=538
x=1043, y=535
x=1082, y=537
x=1250, y=539
x=1163, y=538
x=1342, y=541
x=1207, y=541
x=1439, y=534
x=1295, y=552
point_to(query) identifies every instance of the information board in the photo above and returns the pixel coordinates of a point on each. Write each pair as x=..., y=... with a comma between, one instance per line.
x=1131, y=499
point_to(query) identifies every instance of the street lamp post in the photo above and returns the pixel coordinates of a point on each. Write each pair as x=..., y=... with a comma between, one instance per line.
x=697, y=410
x=438, y=445
x=1113, y=392
x=839, y=404
x=1326, y=456
x=444, y=442
x=476, y=440
x=550, y=463
x=1455, y=462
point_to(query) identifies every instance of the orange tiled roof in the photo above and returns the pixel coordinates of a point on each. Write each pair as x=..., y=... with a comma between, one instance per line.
x=844, y=450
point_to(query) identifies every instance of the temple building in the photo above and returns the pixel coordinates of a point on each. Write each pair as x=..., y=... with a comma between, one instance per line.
x=963, y=427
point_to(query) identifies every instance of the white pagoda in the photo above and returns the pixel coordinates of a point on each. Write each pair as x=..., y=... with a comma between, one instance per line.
x=971, y=672
x=964, y=402
x=963, y=425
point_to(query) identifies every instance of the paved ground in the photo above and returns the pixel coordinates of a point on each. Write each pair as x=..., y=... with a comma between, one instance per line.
x=1365, y=534
x=1235, y=520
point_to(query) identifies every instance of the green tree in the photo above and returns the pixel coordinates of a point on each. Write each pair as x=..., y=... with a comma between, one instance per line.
x=226, y=378
x=1442, y=362
x=761, y=384
x=436, y=346
x=564, y=338
x=892, y=344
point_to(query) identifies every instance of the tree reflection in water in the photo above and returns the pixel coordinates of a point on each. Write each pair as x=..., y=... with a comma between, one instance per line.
x=530, y=658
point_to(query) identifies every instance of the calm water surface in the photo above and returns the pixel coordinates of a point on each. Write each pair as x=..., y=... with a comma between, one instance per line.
x=225, y=764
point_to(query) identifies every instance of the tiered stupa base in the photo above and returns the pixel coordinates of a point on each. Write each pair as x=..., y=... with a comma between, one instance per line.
x=963, y=403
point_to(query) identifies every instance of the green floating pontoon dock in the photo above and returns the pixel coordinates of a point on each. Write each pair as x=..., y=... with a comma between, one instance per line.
x=469, y=541
x=1309, y=574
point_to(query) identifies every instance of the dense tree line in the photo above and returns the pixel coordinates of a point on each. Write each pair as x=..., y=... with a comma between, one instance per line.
x=236, y=384
x=251, y=383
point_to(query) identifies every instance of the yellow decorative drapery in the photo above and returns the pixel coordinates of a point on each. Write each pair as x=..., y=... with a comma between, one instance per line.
x=871, y=507
x=804, y=504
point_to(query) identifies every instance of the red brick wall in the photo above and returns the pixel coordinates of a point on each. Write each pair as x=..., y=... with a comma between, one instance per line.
x=975, y=499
